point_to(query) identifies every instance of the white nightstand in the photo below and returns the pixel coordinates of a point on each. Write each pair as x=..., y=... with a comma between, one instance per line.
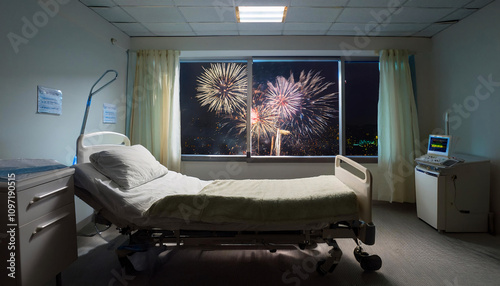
x=37, y=225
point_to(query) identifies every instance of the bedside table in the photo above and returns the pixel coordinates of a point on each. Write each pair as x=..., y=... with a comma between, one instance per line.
x=37, y=227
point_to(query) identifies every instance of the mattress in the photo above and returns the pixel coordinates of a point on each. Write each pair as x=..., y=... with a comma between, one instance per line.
x=176, y=201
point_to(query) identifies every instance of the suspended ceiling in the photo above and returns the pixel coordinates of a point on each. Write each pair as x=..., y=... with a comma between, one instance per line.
x=388, y=18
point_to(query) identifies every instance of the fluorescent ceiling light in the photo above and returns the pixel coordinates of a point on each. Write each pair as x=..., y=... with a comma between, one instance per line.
x=247, y=14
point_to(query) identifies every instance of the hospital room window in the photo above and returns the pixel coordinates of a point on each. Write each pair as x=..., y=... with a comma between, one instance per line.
x=294, y=107
x=361, y=105
x=213, y=107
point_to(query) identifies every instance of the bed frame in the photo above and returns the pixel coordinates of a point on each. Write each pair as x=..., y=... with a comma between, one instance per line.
x=348, y=171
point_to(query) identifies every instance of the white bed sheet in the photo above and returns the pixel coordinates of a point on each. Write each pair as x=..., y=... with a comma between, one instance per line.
x=130, y=204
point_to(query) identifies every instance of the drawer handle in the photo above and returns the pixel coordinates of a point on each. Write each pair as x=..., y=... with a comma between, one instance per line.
x=46, y=225
x=46, y=195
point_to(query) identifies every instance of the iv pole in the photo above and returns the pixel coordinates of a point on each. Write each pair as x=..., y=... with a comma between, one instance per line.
x=91, y=93
x=89, y=101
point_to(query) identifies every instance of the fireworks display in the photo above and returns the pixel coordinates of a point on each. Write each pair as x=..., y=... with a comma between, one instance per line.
x=317, y=105
x=223, y=87
x=299, y=109
x=263, y=121
x=284, y=97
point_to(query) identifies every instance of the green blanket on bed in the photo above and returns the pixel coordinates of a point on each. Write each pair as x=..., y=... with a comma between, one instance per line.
x=316, y=199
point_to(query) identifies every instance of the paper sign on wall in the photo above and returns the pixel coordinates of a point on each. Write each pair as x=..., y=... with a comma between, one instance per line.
x=49, y=100
x=109, y=113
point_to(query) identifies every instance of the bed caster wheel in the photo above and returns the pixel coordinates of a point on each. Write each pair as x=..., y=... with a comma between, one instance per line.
x=359, y=253
x=371, y=263
x=368, y=262
x=323, y=269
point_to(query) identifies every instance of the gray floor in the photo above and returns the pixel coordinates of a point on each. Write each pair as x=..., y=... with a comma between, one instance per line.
x=412, y=252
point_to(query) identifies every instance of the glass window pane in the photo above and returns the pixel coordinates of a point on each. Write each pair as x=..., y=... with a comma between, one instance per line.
x=213, y=107
x=295, y=108
x=361, y=105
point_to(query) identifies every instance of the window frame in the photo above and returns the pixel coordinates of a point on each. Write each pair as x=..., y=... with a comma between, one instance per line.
x=286, y=159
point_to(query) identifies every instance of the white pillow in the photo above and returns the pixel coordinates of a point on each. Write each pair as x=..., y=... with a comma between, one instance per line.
x=128, y=166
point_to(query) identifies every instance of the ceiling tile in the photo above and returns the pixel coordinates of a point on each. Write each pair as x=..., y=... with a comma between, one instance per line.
x=401, y=27
x=311, y=15
x=113, y=14
x=458, y=14
x=144, y=2
x=362, y=15
x=390, y=34
x=169, y=29
x=174, y=33
x=98, y=3
x=215, y=28
x=217, y=33
x=419, y=15
x=133, y=29
x=431, y=30
x=353, y=27
x=317, y=28
x=217, y=3
x=478, y=4
x=155, y=14
x=403, y=30
x=372, y=3
x=208, y=14
x=434, y=3
x=319, y=3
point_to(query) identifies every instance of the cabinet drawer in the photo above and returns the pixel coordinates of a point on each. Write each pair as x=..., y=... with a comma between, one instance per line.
x=47, y=245
x=44, y=198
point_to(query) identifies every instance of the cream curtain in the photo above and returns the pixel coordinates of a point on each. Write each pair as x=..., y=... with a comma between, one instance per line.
x=398, y=135
x=155, y=112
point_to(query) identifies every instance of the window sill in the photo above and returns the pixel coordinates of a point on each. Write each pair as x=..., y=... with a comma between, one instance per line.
x=275, y=159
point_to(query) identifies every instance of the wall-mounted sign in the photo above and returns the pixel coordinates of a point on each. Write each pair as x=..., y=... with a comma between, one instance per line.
x=49, y=100
x=109, y=113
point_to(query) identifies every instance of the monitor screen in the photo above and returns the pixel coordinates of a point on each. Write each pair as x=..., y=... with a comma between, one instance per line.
x=439, y=145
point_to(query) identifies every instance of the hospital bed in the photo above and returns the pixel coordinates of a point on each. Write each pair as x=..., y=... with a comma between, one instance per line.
x=127, y=187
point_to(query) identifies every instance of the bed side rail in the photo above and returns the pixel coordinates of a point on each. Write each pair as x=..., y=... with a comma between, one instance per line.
x=90, y=143
x=361, y=184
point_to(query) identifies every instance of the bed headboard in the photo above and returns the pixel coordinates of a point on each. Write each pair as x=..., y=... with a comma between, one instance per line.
x=88, y=144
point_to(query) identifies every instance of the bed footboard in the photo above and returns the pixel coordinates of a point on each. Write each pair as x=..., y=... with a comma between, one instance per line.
x=359, y=179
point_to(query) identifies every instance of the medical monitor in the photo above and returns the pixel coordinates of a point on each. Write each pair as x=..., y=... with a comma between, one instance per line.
x=439, y=145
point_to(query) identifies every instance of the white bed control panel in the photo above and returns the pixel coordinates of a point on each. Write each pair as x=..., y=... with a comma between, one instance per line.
x=437, y=161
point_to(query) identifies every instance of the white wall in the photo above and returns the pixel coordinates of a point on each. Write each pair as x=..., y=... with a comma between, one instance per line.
x=339, y=45
x=464, y=57
x=61, y=45
x=284, y=46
